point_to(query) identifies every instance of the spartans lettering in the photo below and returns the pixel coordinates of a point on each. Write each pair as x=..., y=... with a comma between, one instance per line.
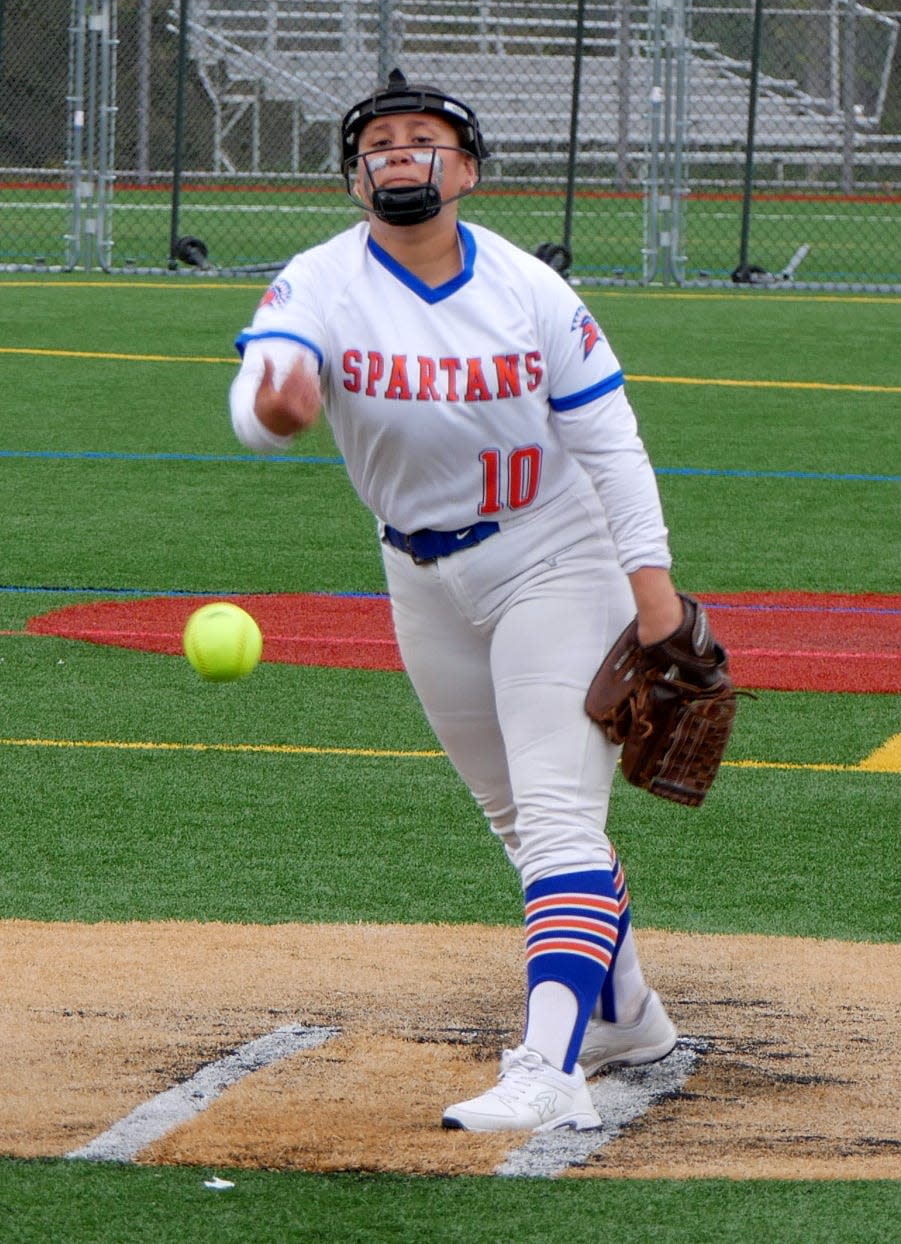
x=423, y=378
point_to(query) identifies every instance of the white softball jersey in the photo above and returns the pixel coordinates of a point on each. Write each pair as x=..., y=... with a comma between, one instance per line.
x=485, y=398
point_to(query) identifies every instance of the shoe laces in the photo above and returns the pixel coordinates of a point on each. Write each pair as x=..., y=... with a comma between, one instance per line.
x=518, y=1070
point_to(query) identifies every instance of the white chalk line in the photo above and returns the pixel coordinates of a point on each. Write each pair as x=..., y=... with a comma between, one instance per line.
x=153, y=1119
x=619, y=1097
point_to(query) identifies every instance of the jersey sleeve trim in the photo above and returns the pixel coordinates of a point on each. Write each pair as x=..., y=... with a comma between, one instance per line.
x=582, y=398
x=244, y=339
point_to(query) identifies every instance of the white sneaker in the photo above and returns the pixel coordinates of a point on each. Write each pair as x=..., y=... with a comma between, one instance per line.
x=530, y=1094
x=649, y=1038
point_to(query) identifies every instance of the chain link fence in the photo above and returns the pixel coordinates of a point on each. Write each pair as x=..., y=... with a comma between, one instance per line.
x=641, y=141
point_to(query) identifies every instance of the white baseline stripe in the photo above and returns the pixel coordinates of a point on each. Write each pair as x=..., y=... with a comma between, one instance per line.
x=619, y=1097
x=154, y=1118
x=247, y=209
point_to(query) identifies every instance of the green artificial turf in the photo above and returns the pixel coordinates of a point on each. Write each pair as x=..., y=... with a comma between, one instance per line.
x=751, y=481
x=169, y=833
x=80, y=1203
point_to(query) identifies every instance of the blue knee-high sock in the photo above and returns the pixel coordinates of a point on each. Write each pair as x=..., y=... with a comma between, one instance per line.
x=572, y=921
x=608, y=997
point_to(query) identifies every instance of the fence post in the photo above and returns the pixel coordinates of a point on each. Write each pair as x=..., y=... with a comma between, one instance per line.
x=676, y=170
x=623, y=91
x=651, y=249
x=386, y=51
x=105, y=21
x=143, y=109
x=741, y=273
x=574, y=127
x=75, y=150
x=849, y=81
x=179, y=130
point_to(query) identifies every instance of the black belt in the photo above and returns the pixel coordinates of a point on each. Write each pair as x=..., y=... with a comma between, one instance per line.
x=428, y=546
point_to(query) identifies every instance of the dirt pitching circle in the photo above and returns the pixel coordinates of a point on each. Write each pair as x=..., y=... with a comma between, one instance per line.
x=795, y=1076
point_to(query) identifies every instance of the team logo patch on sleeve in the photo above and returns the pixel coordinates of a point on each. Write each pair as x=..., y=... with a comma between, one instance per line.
x=584, y=322
x=277, y=294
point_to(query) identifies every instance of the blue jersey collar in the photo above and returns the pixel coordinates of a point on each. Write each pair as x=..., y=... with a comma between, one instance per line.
x=423, y=291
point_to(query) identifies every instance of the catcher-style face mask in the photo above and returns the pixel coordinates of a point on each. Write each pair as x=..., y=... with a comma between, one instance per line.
x=407, y=205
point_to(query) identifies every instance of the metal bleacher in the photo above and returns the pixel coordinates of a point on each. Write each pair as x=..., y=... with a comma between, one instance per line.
x=512, y=61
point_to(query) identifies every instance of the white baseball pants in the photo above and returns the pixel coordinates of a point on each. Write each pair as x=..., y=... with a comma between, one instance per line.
x=501, y=641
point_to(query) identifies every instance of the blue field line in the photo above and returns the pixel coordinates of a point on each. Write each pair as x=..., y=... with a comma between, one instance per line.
x=91, y=455
x=818, y=609
x=323, y=460
x=58, y=590
x=736, y=473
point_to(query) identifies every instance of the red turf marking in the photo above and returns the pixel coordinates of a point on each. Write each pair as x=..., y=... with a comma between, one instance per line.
x=815, y=641
x=352, y=632
x=784, y=641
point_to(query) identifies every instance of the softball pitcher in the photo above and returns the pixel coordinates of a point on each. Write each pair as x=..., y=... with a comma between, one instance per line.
x=482, y=417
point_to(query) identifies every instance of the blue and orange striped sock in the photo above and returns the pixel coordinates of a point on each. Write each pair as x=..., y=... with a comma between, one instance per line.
x=572, y=924
x=608, y=996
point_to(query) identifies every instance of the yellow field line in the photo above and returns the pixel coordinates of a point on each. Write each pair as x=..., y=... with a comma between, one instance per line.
x=886, y=758
x=779, y=764
x=768, y=384
x=128, y=358
x=275, y=749
x=192, y=282
x=290, y=749
x=712, y=294
x=634, y=379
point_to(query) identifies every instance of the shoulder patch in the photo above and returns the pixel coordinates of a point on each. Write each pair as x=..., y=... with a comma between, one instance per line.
x=277, y=295
x=584, y=323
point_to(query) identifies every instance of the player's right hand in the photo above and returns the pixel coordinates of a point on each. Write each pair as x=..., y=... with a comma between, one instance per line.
x=292, y=406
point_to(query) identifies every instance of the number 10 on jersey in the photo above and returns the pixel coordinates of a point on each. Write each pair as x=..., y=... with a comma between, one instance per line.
x=513, y=483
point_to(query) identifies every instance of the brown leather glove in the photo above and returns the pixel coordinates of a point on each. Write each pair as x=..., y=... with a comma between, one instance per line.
x=671, y=704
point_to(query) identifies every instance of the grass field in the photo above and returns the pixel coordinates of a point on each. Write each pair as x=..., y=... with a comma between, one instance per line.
x=852, y=239
x=773, y=423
